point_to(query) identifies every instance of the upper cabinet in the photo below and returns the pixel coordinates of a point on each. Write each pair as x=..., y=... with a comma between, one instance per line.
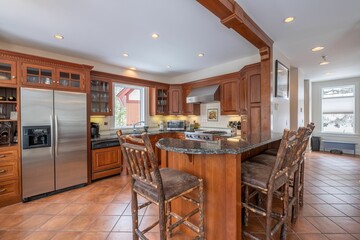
x=175, y=100
x=101, y=97
x=159, y=101
x=45, y=76
x=188, y=108
x=229, y=95
x=7, y=71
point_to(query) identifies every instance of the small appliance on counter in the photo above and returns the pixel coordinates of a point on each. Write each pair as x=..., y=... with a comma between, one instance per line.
x=162, y=126
x=176, y=125
x=94, y=130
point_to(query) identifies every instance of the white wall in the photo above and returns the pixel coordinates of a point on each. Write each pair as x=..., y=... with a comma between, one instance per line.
x=296, y=98
x=316, y=110
x=280, y=107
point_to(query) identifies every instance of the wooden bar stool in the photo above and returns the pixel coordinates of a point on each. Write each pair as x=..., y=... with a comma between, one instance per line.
x=267, y=180
x=160, y=187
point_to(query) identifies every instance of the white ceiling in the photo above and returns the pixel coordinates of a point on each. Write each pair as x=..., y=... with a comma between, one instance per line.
x=104, y=30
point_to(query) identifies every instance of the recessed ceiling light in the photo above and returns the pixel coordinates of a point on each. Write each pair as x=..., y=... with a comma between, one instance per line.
x=316, y=49
x=58, y=36
x=289, y=19
x=324, y=61
x=155, y=35
x=125, y=55
x=329, y=73
x=133, y=68
x=168, y=66
x=201, y=54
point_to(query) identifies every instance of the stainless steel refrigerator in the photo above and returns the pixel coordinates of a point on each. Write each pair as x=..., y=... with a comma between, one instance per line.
x=54, y=140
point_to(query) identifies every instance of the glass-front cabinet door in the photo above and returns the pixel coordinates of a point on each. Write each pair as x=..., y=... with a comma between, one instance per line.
x=101, y=97
x=38, y=75
x=7, y=71
x=70, y=79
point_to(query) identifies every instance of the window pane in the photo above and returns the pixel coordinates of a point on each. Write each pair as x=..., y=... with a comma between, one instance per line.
x=345, y=91
x=338, y=123
x=338, y=105
x=128, y=105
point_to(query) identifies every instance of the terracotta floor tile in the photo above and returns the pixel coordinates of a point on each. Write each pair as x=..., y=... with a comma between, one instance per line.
x=332, y=190
x=33, y=222
x=357, y=236
x=347, y=223
x=10, y=221
x=124, y=224
x=119, y=236
x=325, y=225
x=72, y=209
x=53, y=208
x=14, y=235
x=327, y=210
x=80, y=223
x=304, y=226
x=114, y=209
x=128, y=211
x=308, y=211
x=93, y=209
x=93, y=236
x=312, y=236
x=340, y=237
x=310, y=198
x=40, y=235
x=103, y=223
x=348, y=198
x=348, y=209
x=67, y=236
x=56, y=223
x=328, y=198
x=147, y=221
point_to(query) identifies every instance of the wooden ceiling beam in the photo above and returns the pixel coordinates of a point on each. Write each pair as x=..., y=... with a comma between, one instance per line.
x=233, y=16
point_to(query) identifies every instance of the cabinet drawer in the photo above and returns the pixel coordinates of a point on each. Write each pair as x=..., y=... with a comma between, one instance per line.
x=8, y=155
x=8, y=170
x=9, y=189
x=105, y=159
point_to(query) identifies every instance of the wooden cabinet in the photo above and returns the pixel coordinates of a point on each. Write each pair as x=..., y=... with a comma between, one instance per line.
x=106, y=162
x=189, y=109
x=7, y=72
x=101, y=97
x=175, y=100
x=51, y=77
x=159, y=101
x=9, y=175
x=229, y=95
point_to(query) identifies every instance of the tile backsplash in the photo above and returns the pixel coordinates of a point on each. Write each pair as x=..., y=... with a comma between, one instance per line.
x=106, y=123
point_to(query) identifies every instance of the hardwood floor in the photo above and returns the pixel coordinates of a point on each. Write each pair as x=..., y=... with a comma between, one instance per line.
x=102, y=210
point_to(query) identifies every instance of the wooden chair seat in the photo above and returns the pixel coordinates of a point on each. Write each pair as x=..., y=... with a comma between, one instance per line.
x=271, y=151
x=269, y=160
x=174, y=182
x=257, y=175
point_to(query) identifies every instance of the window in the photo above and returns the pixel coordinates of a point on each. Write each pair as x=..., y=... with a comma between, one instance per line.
x=338, y=114
x=128, y=105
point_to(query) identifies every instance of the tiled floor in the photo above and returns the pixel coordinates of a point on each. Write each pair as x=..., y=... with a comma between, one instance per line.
x=102, y=210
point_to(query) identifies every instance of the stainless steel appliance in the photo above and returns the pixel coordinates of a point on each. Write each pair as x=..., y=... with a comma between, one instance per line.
x=204, y=94
x=176, y=125
x=203, y=135
x=54, y=142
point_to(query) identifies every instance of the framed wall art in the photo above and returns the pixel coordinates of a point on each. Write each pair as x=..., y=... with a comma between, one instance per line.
x=281, y=80
x=212, y=115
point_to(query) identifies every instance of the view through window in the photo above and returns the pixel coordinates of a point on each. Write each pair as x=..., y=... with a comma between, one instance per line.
x=338, y=104
x=129, y=105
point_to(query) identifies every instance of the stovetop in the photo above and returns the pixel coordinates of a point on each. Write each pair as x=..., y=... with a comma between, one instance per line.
x=203, y=135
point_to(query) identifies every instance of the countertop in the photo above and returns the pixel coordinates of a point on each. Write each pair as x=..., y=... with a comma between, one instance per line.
x=232, y=145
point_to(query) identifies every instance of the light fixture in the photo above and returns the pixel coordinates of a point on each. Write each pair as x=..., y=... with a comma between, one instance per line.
x=328, y=73
x=324, y=61
x=155, y=35
x=125, y=55
x=289, y=19
x=201, y=54
x=168, y=66
x=58, y=36
x=316, y=49
x=133, y=68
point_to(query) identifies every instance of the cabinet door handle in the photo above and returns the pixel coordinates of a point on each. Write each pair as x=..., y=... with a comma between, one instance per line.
x=2, y=171
x=2, y=190
x=13, y=77
x=2, y=156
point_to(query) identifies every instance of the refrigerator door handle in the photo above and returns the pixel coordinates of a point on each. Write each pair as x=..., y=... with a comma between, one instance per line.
x=56, y=135
x=52, y=136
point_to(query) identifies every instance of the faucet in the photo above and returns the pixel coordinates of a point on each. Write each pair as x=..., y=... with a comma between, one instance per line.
x=134, y=129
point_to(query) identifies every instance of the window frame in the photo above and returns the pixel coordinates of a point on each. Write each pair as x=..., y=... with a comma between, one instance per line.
x=143, y=94
x=354, y=87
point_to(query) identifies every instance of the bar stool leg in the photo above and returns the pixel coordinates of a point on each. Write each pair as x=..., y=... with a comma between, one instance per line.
x=268, y=214
x=162, y=220
x=302, y=183
x=285, y=212
x=246, y=211
x=295, y=206
x=168, y=220
x=201, y=210
x=134, y=209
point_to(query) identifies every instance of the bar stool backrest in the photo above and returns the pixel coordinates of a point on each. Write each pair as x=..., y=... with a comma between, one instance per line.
x=141, y=160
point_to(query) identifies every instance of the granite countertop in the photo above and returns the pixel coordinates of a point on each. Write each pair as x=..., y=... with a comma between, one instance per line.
x=114, y=136
x=234, y=145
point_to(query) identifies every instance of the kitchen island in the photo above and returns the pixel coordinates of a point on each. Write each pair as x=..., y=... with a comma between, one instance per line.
x=218, y=163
